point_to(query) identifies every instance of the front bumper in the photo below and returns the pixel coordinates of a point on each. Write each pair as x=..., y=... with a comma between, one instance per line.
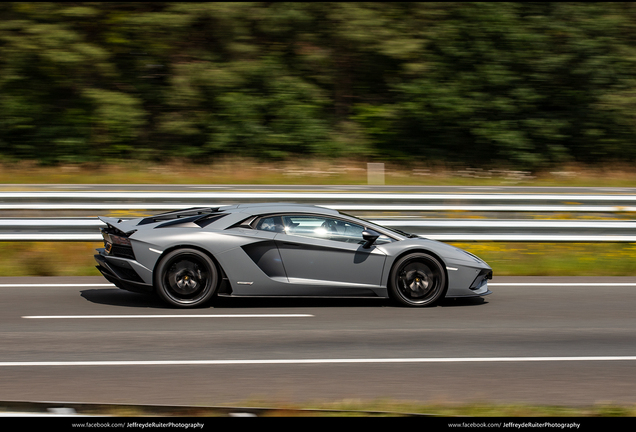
x=468, y=280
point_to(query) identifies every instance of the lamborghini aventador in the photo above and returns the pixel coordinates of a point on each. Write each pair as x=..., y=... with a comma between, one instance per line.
x=188, y=257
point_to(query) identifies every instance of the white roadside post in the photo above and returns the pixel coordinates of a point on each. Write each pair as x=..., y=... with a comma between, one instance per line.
x=375, y=173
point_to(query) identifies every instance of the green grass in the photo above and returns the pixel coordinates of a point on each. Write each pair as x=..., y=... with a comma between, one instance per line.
x=48, y=259
x=374, y=408
x=384, y=407
x=556, y=259
x=506, y=259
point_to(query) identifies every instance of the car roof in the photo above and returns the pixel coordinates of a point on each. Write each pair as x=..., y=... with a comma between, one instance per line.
x=254, y=209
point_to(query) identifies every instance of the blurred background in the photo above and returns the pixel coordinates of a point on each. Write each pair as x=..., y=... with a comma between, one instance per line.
x=455, y=94
x=516, y=85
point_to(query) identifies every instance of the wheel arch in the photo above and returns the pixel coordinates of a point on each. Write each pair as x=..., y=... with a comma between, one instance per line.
x=222, y=273
x=416, y=250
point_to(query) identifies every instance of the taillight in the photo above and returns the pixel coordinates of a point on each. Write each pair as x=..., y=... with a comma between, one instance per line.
x=120, y=240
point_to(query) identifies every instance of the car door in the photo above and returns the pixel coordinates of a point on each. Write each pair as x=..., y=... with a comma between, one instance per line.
x=324, y=251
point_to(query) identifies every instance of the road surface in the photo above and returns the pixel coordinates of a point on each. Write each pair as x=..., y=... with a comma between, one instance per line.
x=537, y=340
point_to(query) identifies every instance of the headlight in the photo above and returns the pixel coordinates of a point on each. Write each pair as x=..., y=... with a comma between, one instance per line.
x=473, y=256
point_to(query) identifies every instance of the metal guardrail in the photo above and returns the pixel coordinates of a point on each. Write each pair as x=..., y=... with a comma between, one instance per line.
x=17, y=204
x=347, y=201
x=86, y=229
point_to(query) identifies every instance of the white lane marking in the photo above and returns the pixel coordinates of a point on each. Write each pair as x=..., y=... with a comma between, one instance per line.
x=489, y=283
x=167, y=316
x=41, y=285
x=314, y=361
x=592, y=284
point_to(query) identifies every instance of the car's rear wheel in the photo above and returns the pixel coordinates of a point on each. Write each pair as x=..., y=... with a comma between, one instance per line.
x=417, y=279
x=186, y=278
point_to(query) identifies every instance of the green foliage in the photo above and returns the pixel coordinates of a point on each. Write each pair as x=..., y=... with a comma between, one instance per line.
x=520, y=84
x=528, y=84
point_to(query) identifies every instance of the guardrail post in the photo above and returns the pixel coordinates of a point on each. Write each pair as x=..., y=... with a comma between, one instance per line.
x=375, y=173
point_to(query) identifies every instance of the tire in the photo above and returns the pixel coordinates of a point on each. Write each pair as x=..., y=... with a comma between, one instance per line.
x=417, y=279
x=186, y=278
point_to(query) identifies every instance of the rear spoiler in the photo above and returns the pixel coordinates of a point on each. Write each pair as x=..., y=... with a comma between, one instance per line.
x=121, y=225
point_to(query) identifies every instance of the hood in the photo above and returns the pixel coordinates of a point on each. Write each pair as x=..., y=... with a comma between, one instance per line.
x=446, y=250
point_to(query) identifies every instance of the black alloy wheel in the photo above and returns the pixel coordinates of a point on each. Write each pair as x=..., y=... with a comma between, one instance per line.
x=417, y=280
x=186, y=278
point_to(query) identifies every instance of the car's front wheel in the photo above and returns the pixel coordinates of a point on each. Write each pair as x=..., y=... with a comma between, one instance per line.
x=186, y=278
x=417, y=279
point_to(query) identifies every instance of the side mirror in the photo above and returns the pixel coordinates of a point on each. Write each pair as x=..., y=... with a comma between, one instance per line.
x=370, y=236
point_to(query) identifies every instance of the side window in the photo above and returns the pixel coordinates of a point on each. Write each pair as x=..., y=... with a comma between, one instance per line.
x=323, y=227
x=272, y=223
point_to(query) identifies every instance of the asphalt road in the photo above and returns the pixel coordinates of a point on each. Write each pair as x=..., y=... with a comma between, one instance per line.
x=539, y=343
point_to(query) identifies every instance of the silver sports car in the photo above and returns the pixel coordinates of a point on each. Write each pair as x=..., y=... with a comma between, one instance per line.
x=187, y=257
